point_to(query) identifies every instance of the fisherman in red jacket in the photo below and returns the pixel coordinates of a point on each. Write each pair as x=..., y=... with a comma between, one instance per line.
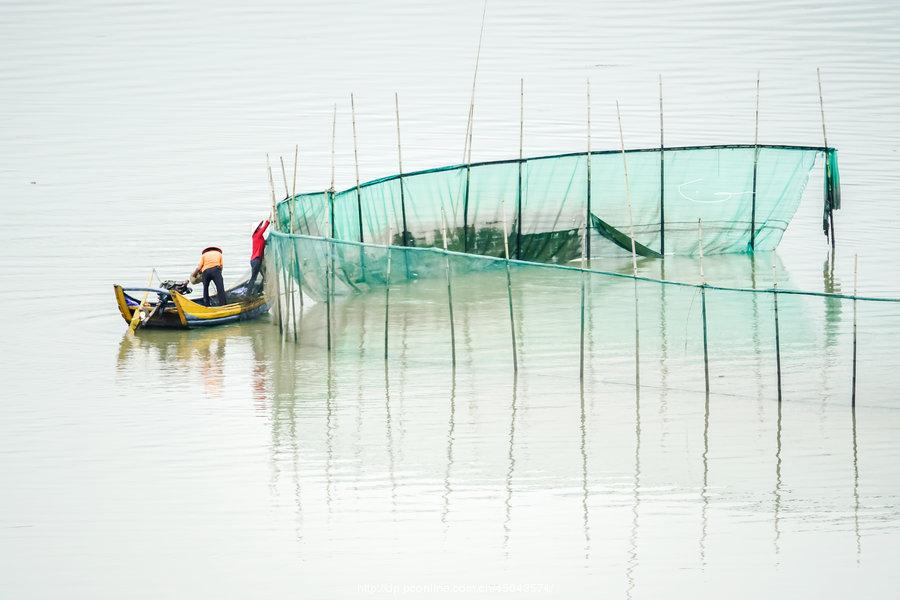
x=258, y=250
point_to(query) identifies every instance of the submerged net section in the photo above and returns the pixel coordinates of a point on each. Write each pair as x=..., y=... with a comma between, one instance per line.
x=745, y=196
x=641, y=333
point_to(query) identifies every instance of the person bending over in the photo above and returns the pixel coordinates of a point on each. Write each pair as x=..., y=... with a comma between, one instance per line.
x=258, y=249
x=210, y=269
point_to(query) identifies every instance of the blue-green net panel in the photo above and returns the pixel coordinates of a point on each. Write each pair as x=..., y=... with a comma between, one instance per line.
x=543, y=203
x=655, y=322
x=309, y=213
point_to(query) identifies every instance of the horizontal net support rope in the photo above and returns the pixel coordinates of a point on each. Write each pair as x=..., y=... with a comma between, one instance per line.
x=286, y=255
x=507, y=161
x=745, y=195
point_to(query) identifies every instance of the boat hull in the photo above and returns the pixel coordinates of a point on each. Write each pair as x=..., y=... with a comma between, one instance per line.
x=172, y=310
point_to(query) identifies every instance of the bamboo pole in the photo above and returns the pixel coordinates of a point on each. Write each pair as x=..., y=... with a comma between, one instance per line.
x=294, y=254
x=855, y=290
x=449, y=289
x=467, y=147
x=466, y=208
x=628, y=197
x=662, y=176
x=294, y=184
x=512, y=319
x=328, y=283
x=359, y=213
x=755, y=170
x=581, y=319
x=387, y=290
x=827, y=168
x=331, y=188
x=777, y=333
x=293, y=229
x=405, y=236
x=330, y=228
x=290, y=286
x=470, y=126
x=356, y=167
x=405, y=230
x=521, y=147
x=703, y=308
x=587, y=216
x=279, y=271
x=280, y=315
x=284, y=177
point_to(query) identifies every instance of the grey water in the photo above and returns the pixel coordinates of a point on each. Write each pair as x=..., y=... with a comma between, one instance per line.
x=229, y=464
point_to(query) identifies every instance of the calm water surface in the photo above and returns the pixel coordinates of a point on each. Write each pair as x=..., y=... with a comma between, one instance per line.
x=227, y=464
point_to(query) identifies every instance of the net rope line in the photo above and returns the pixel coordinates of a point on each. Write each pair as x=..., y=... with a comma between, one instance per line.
x=501, y=261
x=509, y=161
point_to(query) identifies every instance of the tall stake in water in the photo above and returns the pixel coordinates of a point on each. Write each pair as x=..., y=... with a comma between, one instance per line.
x=587, y=215
x=449, y=289
x=777, y=333
x=470, y=125
x=827, y=167
x=703, y=308
x=467, y=146
x=359, y=215
x=331, y=189
x=855, y=284
x=628, y=197
x=755, y=169
x=329, y=227
x=662, y=176
x=295, y=253
x=284, y=177
x=279, y=316
x=405, y=236
x=405, y=231
x=294, y=179
x=292, y=228
x=512, y=320
x=356, y=167
x=519, y=192
x=581, y=319
x=287, y=282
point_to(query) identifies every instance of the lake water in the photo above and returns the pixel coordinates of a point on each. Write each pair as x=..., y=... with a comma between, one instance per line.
x=228, y=464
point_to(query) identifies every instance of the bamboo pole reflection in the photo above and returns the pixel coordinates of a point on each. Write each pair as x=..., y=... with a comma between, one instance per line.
x=757, y=344
x=360, y=379
x=584, y=477
x=275, y=422
x=833, y=317
x=507, y=521
x=290, y=361
x=388, y=423
x=450, y=428
x=633, y=536
x=856, y=487
x=663, y=356
x=330, y=426
x=518, y=294
x=704, y=495
x=404, y=355
x=777, y=493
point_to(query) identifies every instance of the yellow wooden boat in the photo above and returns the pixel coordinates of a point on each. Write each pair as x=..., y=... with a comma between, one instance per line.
x=174, y=310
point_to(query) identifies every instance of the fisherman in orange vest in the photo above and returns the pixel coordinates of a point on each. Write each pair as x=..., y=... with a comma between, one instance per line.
x=210, y=269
